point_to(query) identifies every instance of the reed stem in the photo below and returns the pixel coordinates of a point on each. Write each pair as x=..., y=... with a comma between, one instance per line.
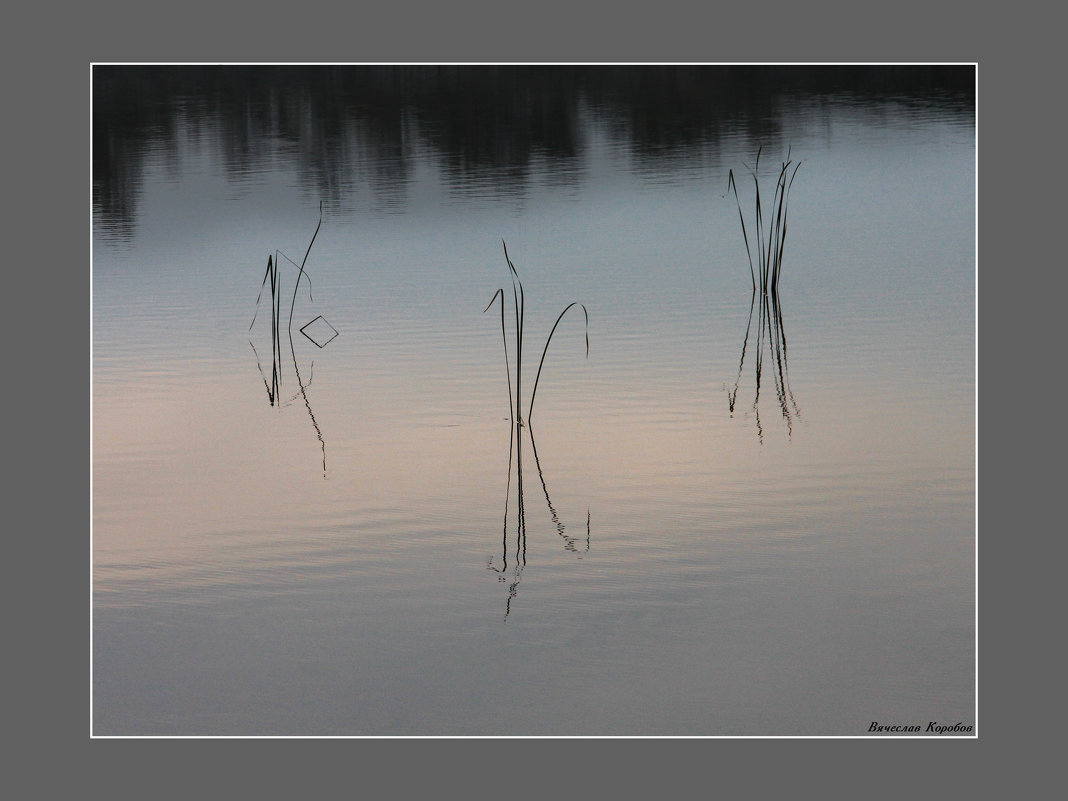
x=519, y=304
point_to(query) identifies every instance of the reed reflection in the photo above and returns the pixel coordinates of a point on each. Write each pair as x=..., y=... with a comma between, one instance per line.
x=340, y=128
x=514, y=545
x=771, y=342
x=318, y=331
x=570, y=543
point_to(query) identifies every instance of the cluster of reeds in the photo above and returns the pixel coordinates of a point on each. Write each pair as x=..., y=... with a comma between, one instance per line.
x=518, y=297
x=770, y=241
x=512, y=572
x=272, y=279
x=770, y=235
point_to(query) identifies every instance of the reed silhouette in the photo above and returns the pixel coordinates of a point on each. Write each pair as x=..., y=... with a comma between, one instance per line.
x=519, y=300
x=770, y=238
x=272, y=280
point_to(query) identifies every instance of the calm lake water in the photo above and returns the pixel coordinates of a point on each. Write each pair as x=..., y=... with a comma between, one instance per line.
x=718, y=522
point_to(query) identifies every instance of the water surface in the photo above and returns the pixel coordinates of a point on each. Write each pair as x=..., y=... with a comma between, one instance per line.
x=372, y=548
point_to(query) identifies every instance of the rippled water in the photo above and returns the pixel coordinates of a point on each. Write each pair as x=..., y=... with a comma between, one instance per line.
x=364, y=554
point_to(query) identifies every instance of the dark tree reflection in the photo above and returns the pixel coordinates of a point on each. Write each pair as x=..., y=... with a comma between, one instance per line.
x=346, y=127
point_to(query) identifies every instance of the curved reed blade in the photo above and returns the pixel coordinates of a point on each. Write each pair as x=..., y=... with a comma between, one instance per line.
x=519, y=299
x=504, y=340
x=731, y=184
x=307, y=275
x=305, y=260
x=782, y=239
x=510, y=265
x=518, y=354
x=495, y=294
x=775, y=233
x=266, y=275
x=534, y=391
x=759, y=217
